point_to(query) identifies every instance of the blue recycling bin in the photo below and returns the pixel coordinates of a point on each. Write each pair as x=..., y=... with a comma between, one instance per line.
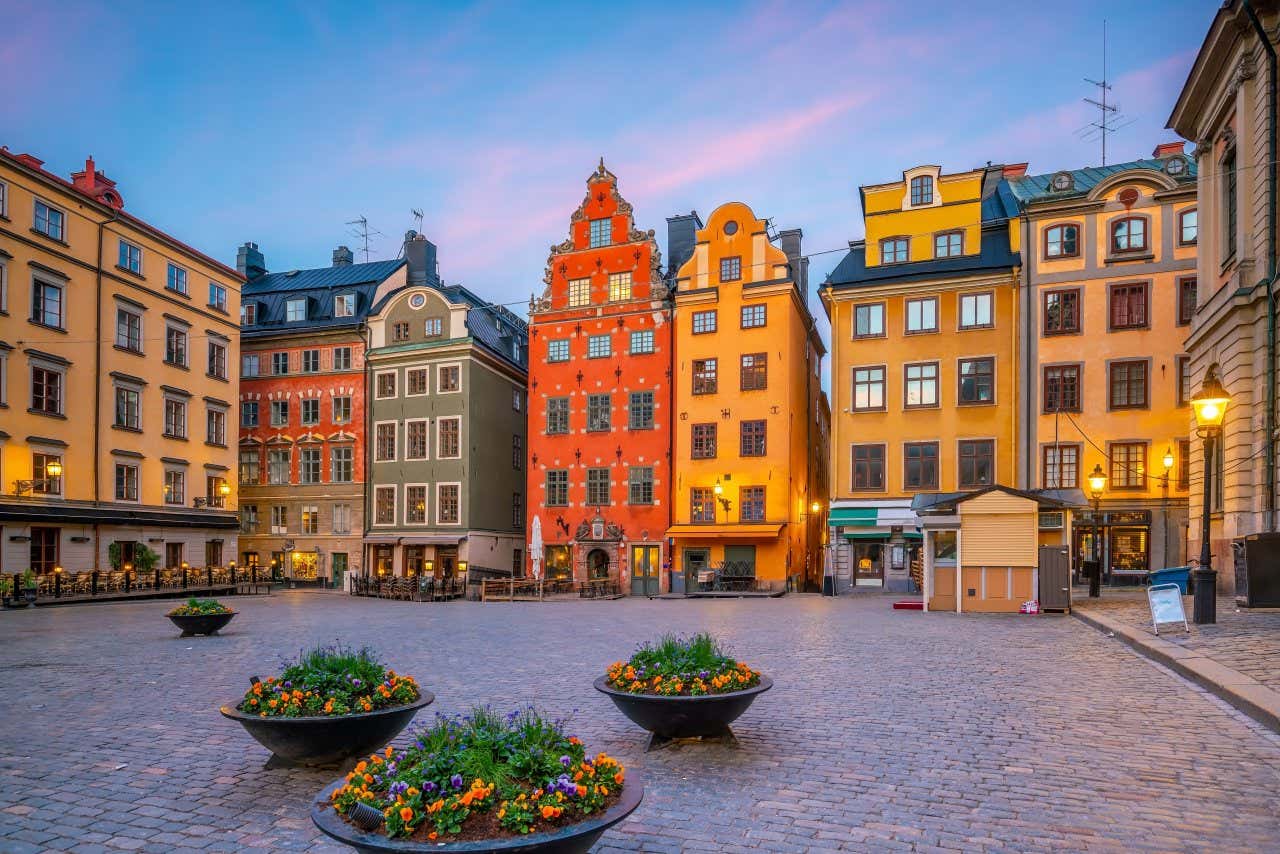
x=1179, y=575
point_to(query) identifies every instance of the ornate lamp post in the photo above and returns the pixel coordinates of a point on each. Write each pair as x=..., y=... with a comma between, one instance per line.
x=1210, y=406
x=1097, y=483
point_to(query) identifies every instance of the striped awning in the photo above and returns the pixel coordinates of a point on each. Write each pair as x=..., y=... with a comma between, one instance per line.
x=853, y=517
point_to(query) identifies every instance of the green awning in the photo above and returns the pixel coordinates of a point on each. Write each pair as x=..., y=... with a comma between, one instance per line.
x=912, y=535
x=852, y=517
x=882, y=537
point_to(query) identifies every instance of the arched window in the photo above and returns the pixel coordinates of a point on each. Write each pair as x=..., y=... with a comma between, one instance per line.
x=1188, y=227
x=1129, y=234
x=922, y=190
x=1062, y=241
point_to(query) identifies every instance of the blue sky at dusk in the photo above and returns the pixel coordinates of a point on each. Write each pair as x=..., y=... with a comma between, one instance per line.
x=279, y=123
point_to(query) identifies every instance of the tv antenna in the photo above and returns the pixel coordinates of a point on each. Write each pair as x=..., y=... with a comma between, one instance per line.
x=417, y=217
x=363, y=232
x=1107, y=113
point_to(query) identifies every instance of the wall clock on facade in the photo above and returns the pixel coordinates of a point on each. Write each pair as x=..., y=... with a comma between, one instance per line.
x=417, y=300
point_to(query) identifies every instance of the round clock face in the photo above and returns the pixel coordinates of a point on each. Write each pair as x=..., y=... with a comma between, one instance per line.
x=417, y=300
x=1062, y=182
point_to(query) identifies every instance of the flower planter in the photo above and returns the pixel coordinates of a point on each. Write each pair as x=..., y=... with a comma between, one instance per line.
x=667, y=718
x=29, y=596
x=327, y=740
x=201, y=624
x=570, y=839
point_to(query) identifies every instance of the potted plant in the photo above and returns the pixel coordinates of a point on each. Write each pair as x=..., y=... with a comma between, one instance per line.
x=29, y=586
x=682, y=688
x=201, y=617
x=6, y=591
x=331, y=704
x=483, y=782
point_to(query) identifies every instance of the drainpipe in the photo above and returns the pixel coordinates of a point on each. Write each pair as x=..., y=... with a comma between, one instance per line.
x=97, y=377
x=1269, y=438
x=1030, y=367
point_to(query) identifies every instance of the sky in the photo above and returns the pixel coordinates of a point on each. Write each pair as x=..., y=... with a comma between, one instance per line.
x=280, y=123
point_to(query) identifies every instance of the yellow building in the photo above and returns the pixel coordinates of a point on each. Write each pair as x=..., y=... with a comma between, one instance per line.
x=1110, y=261
x=748, y=497
x=925, y=346
x=119, y=362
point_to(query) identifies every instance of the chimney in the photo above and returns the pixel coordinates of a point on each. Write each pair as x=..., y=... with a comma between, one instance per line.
x=29, y=160
x=790, y=239
x=342, y=257
x=1013, y=170
x=97, y=186
x=682, y=236
x=250, y=262
x=421, y=255
x=1168, y=149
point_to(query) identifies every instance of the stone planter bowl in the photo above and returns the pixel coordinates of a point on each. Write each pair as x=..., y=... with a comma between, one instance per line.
x=200, y=624
x=707, y=716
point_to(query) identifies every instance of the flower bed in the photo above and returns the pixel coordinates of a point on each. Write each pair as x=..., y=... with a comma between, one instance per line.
x=329, y=682
x=483, y=776
x=681, y=667
x=200, y=608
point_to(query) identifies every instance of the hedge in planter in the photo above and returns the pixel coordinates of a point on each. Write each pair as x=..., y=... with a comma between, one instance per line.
x=200, y=616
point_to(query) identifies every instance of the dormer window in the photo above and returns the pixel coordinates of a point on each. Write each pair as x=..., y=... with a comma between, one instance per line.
x=434, y=327
x=601, y=232
x=922, y=190
x=249, y=314
x=894, y=250
x=344, y=305
x=1129, y=235
x=295, y=310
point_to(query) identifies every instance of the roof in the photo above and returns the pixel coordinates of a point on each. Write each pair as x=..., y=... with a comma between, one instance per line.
x=1036, y=188
x=945, y=502
x=493, y=326
x=994, y=256
x=271, y=291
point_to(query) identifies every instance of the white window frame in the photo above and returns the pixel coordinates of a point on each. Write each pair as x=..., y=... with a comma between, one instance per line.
x=440, y=389
x=439, y=487
x=616, y=283
x=283, y=527
x=426, y=435
x=344, y=305
x=167, y=495
x=118, y=386
x=395, y=506
x=302, y=411
x=426, y=503
x=176, y=275
x=608, y=344
x=919, y=303
x=61, y=236
x=377, y=375
x=333, y=401
x=4, y=283
x=247, y=359
x=439, y=445
x=579, y=292
x=312, y=510
x=341, y=513
x=130, y=311
x=395, y=456
x=977, y=298
x=333, y=468
x=214, y=345
x=289, y=307
x=47, y=282
x=186, y=416
x=50, y=367
x=554, y=344
x=426, y=385
x=347, y=363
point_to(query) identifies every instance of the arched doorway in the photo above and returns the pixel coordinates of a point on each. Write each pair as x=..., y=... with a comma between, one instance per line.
x=597, y=564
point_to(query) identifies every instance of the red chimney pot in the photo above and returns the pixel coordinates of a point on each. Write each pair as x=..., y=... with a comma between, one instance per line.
x=1168, y=149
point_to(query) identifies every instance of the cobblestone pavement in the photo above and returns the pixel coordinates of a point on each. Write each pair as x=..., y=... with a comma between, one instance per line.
x=1246, y=640
x=886, y=730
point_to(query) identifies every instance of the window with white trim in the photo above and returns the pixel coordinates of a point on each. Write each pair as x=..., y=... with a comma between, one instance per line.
x=448, y=504
x=176, y=279
x=49, y=221
x=579, y=292
x=131, y=257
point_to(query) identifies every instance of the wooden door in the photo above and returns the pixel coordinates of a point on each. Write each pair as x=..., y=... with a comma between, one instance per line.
x=1055, y=578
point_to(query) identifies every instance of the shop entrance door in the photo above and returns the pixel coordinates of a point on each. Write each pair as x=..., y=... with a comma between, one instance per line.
x=644, y=570
x=695, y=561
x=868, y=564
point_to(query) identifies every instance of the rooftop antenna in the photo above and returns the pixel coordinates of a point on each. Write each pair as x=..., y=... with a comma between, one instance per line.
x=363, y=232
x=1106, y=112
x=417, y=217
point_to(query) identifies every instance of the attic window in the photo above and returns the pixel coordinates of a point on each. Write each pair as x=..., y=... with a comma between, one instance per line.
x=295, y=310
x=922, y=190
x=249, y=314
x=344, y=305
x=1061, y=182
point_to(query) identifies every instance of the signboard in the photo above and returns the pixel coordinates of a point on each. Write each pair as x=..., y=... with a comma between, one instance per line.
x=1166, y=606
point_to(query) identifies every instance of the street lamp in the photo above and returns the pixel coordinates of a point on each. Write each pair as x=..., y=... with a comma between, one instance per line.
x=1210, y=407
x=52, y=471
x=1167, y=462
x=1097, y=483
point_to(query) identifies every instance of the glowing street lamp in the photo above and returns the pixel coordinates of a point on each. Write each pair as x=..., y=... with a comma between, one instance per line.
x=1210, y=407
x=1097, y=484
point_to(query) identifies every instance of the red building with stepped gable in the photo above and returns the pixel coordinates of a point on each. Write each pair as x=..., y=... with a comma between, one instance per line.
x=600, y=414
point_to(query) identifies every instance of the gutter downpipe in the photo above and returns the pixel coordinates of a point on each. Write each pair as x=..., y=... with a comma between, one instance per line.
x=97, y=381
x=1269, y=438
x=1031, y=370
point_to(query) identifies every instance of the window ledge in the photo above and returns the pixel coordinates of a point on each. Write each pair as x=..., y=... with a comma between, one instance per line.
x=51, y=238
x=126, y=429
x=176, y=292
x=1125, y=258
x=218, y=378
x=176, y=438
x=129, y=350
x=57, y=415
x=133, y=273
x=47, y=326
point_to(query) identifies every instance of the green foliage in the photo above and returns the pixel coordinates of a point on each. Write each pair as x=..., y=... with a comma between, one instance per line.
x=28, y=577
x=330, y=680
x=195, y=607
x=144, y=559
x=114, y=552
x=681, y=666
x=6, y=585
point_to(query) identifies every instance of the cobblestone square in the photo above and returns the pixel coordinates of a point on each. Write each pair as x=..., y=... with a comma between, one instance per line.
x=885, y=731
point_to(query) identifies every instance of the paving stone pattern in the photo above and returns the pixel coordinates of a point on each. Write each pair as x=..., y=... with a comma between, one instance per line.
x=886, y=730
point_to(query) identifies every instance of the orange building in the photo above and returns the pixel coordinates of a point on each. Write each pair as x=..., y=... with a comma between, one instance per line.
x=600, y=413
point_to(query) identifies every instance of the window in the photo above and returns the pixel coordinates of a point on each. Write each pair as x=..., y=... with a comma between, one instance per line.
x=1128, y=465
x=386, y=442
x=46, y=304
x=640, y=485
x=217, y=360
x=703, y=446
x=175, y=487
x=704, y=376
x=279, y=364
x=384, y=505
x=4, y=284
x=600, y=232
x=250, y=469
x=344, y=305
x=46, y=390
x=975, y=311
x=558, y=350
x=217, y=297
x=1062, y=241
x=702, y=505
x=598, y=412
x=1061, y=312
x=640, y=411
x=342, y=409
x=248, y=313
x=517, y=521
x=341, y=464
x=278, y=466
x=599, y=346
x=1060, y=467
x=279, y=413
x=4, y=199
x=1230, y=205
x=921, y=384
x=922, y=315
x=703, y=322
x=895, y=250
x=309, y=411
x=868, y=467
x=977, y=381
x=248, y=518
x=868, y=320
x=295, y=310
x=517, y=452
x=310, y=519
x=433, y=327
x=415, y=505
x=641, y=342
x=385, y=385
x=579, y=292
x=1186, y=300
x=126, y=482
x=1188, y=227
x=176, y=280
x=175, y=418
x=754, y=372
x=1184, y=464
x=342, y=358
x=449, y=438
x=128, y=330
x=49, y=221
x=415, y=439
x=1184, y=380
x=128, y=408
x=868, y=388
x=752, y=438
x=753, y=316
x=557, y=415
x=751, y=504
x=1128, y=385
x=619, y=286
x=1062, y=388
x=977, y=462
x=249, y=366
x=557, y=488
x=279, y=520
x=310, y=361
x=448, y=379
x=415, y=382
x=731, y=268
x=215, y=432
x=948, y=245
x=130, y=257
x=1129, y=235
x=920, y=465
x=45, y=484
x=309, y=465
x=1128, y=306
x=597, y=487
x=922, y=190
x=400, y=331
x=341, y=525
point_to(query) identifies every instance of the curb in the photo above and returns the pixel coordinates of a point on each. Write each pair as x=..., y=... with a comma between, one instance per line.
x=1243, y=692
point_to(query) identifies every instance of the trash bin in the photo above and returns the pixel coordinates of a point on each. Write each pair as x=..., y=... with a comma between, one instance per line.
x=828, y=585
x=1257, y=570
x=1179, y=575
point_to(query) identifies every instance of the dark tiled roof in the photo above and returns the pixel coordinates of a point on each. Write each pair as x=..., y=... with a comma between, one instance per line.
x=319, y=286
x=995, y=256
x=1035, y=188
x=494, y=327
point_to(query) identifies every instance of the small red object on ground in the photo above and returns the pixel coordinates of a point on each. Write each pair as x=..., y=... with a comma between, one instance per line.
x=909, y=605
